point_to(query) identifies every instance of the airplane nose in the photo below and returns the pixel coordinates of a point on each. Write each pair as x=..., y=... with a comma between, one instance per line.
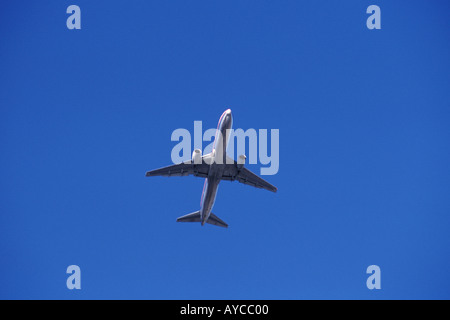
x=228, y=111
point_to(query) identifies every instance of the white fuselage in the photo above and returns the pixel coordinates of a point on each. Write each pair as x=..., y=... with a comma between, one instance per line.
x=215, y=173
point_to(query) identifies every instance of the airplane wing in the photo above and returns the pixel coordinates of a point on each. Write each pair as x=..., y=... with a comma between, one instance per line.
x=181, y=169
x=184, y=169
x=231, y=172
x=245, y=176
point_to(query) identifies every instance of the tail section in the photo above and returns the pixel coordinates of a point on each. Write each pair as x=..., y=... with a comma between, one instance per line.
x=195, y=217
x=191, y=217
x=215, y=220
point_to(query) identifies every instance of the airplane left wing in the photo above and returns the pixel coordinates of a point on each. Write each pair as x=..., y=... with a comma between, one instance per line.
x=181, y=169
x=245, y=176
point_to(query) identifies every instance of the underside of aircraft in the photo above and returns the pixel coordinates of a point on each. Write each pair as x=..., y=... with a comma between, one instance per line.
x=214, y=167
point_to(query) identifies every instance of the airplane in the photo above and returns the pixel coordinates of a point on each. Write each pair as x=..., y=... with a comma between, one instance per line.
x=214, y=166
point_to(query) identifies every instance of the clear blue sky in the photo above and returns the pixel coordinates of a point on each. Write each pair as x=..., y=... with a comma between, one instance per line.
x=364, y=120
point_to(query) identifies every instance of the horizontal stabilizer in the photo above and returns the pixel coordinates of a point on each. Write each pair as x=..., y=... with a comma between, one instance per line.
x=215, y=220
x=191, y=217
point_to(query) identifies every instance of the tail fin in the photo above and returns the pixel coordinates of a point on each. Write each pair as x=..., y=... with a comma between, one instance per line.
x=215, y=220
x=191, y=217
x=195, y=217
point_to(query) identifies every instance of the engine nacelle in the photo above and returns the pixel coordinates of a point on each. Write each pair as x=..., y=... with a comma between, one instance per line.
x=197, y=156
x=241, y=161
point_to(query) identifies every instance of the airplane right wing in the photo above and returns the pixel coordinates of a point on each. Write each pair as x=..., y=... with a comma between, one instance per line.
x=181, y=169
x=184, y=169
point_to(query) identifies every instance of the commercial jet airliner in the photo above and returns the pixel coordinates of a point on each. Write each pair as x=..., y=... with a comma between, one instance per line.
x=214, y=166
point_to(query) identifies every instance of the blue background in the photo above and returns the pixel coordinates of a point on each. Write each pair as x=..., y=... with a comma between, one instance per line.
x=364, y=126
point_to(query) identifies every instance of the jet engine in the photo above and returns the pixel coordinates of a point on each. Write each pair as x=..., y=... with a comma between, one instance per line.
x=197, y=156
x=241, y=161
